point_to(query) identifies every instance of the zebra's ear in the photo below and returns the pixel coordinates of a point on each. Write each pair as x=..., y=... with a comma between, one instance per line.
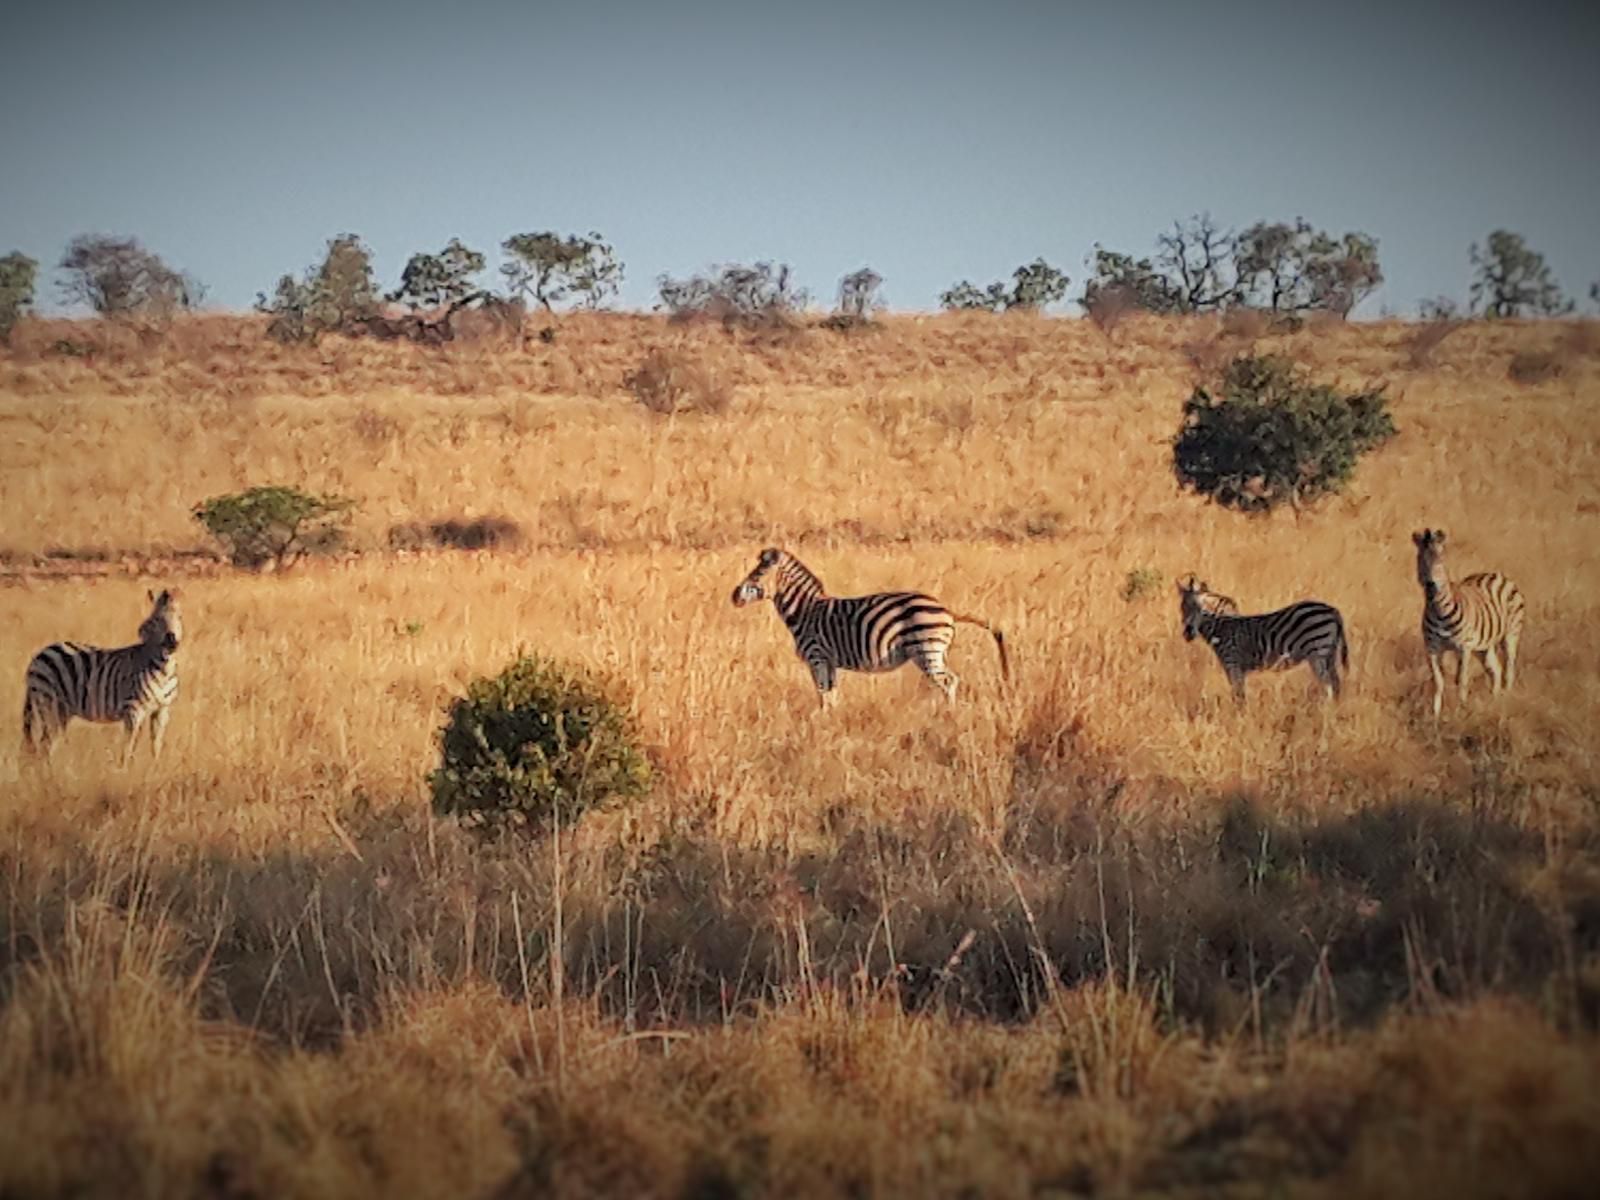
x=1438, y=537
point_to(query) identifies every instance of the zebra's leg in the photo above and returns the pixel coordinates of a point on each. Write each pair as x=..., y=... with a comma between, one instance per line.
x=42, y=723
x=823, y=675
x=1513, y=636
x=158, y=730
x=931, y=663
x=1463, y=673
x=1491, y=659
x=1436, y=665
x=1236, y=680
x=36, y=733
x=131, y=722
x=1327, y=670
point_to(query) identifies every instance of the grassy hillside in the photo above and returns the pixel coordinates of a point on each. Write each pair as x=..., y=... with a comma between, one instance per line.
x=1094, y=931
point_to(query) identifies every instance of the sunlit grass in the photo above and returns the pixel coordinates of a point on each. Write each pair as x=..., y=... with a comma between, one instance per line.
x=1281, y=941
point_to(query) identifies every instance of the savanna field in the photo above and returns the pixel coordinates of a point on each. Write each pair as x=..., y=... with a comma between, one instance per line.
x=1092, y=932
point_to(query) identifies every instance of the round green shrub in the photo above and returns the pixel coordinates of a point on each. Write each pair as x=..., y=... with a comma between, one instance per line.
x=1267, y=435
x=542, y=739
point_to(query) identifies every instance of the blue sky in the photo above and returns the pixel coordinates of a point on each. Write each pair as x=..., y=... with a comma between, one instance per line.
x=933, y=141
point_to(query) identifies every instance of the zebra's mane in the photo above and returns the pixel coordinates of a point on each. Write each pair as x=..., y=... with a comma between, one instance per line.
x=795, y=575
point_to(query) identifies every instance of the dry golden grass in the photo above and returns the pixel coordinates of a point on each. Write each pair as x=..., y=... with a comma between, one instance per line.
x=1299, y=946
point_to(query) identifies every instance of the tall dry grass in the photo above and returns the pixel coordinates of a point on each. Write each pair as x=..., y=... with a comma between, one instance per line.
x=1093, y=931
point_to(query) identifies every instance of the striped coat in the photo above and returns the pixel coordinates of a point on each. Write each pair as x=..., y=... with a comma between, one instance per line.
x=1482, y=614
x=1305, y=632
x=130, y=684
x=879, y=632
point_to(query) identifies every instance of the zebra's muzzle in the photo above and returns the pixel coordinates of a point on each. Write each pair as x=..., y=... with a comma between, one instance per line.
x=170, y=642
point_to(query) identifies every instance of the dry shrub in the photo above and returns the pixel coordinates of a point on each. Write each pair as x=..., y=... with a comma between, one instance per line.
x=665, y=381
x=846, y=323
x=1208, y=355
x=1427, y=339
x=1247, y=324
x=373, y=427
x=1581, y=339
x=452, y=533
x=1530, y=367
x=1109, y=306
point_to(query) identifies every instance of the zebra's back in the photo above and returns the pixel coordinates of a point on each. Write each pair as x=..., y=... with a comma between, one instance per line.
x=1487, y=608
x=1307, y=630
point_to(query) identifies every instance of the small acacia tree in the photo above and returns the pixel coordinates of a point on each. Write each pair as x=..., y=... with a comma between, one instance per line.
x=1513, y=280
x=1294, y=269
x=17, y=275
x=1268, y=436
x=278, y=525
x=552, y=269
x=1120, y=281
x=117, y=277
x=540, y=742
x=337, y=293
x=430, y=280
x=1033, y=286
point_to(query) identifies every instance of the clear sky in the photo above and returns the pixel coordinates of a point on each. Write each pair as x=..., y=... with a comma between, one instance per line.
x=932, y=140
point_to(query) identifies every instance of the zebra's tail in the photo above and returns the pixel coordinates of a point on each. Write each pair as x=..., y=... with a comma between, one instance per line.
x=999, y=640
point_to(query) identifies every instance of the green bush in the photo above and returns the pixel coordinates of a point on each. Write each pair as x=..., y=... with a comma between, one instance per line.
x=540, y=740
x=279, y=525
x=1269, y=436
x=17, y=275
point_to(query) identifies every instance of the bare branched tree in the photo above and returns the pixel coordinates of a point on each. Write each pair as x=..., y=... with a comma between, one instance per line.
x=1198, y=257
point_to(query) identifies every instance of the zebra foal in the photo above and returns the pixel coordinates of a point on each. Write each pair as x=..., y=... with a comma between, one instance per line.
x=130, y=684
x=1308, y=631
x=858, y=633
x=1482, y=614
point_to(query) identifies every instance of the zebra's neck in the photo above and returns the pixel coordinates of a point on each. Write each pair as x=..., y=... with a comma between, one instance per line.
x=797, y=590
x=152, y=657
x=1440, y=596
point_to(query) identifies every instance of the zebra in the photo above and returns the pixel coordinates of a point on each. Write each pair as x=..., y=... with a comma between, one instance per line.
x=1482, y=614
x=858, y=633
x=1307, y=631
x=128, y=684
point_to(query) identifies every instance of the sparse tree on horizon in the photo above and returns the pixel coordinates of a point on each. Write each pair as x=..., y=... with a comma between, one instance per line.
x=858, y=294
x=18, y=274
x=551, y=269
x=1294, y=269
x=1033, y=286
x=430, y=280
x=1122, y=281
x=1198, y=259
x=737, y=294
x=335, y=294
x=1514, y=280
x=118, y=277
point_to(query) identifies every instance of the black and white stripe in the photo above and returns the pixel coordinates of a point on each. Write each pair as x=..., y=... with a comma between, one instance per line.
x=1482, y=614
x=129, y=684
x=857, y=633
x=1305, y=632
